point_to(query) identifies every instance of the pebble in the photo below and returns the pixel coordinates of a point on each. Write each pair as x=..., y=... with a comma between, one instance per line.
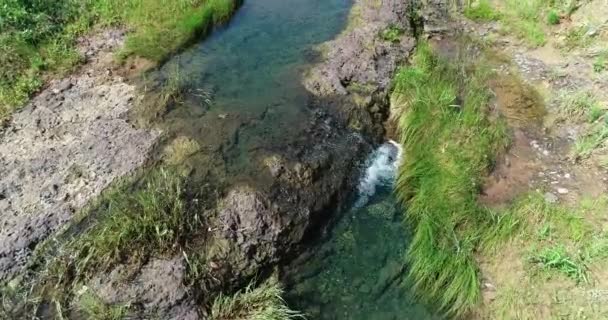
x=550, y=197
x=567, y=176
x=545, y=152
x=562, y=190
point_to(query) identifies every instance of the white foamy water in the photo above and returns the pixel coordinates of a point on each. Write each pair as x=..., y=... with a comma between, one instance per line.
x=381, y=170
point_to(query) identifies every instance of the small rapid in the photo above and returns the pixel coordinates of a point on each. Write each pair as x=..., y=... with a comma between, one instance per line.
x=381, y=171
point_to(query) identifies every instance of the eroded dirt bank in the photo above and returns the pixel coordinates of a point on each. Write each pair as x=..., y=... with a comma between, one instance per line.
x=66, y=146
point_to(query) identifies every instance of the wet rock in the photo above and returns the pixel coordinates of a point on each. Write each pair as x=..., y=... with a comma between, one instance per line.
x=359, y=60
x=252, y=226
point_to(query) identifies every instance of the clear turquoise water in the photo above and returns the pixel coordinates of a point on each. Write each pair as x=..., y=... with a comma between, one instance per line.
x=252, y=69
x=358, y=272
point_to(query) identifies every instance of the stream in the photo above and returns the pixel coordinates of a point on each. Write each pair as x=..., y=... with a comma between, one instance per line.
x=251, y=71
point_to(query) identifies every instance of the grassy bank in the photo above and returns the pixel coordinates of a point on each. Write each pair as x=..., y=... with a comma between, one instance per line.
x=527, y=19
x=38, y=38
x=444, y=125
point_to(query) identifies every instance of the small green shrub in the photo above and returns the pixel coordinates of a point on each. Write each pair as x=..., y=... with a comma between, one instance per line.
x=552, y=17
x=595, y=112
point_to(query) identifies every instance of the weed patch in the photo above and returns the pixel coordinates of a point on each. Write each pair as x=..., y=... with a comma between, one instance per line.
x=134, y=225
x=577, y=38
x=523, y=18
x=446, y=132
x=93, y=308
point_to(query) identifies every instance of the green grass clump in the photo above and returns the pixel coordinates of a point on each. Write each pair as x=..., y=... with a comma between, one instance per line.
x=552, y=17
x=134, y=224
x=162, y=27
x=556, y=258
x=524, y=18
x=261, y=303
x=449, y=140
x=38, y=38
x=482, y=11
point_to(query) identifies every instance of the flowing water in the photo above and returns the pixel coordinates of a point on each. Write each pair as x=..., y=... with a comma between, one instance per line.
x=358, y=272
x=251, y=70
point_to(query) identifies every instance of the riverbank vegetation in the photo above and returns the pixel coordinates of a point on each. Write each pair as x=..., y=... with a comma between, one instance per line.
x=38, y=39
x=445, y=126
